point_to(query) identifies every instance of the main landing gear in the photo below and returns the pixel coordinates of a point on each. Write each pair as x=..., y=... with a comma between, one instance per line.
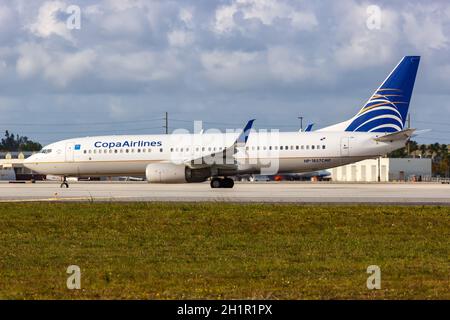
x=222, y=183
x=64, y=184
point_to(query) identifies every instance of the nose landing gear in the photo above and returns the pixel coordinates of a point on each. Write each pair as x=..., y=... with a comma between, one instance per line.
x=222, y=183
x=64, y=184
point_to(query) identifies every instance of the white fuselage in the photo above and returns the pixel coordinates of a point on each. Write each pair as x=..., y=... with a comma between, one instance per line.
x=282, y=152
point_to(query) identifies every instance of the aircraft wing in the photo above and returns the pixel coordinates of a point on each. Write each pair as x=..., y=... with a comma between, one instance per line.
x=225, y=157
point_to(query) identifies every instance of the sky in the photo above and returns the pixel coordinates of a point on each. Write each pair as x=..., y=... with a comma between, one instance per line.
x=118, y=65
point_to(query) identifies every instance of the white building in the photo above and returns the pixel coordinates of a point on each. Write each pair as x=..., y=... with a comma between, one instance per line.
x=389, y=169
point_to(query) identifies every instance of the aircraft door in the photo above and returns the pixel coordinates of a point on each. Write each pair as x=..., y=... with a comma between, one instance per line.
x=345, y=147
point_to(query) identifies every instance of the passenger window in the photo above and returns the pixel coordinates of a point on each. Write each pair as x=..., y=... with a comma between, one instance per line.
x=303, y=147
x=318, y=147
x=312, y=147
x=281, y=147
x=307, y=147
x=171, y=149
x=161, y=150
x=115, y=150
x=270, y=147
x=323, y=147
x=139, y=150
x=296, y=147
x=84, y=151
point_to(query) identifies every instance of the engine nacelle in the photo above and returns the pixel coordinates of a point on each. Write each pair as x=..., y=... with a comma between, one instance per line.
x=175, y=173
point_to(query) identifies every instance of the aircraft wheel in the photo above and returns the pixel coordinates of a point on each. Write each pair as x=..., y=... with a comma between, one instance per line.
x=227, y=183
x=64, y=185
x=216, y=183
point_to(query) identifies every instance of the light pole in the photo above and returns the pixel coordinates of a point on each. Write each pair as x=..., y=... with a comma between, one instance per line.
x=166, y=126
x=301, y=123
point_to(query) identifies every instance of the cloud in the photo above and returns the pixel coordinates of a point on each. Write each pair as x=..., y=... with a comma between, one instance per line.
x=287, y=65
x=144, y=66
x=60, y=69
x=426, y=30
x=234, y=69
x=217, y=60
x=180, y=38
x=361, y=46
x=265, y=11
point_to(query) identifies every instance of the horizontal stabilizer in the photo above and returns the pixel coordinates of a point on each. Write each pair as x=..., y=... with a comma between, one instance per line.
x=400, y=135
x=419, y=132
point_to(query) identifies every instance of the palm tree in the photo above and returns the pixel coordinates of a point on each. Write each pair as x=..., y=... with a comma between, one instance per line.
x=433, y=149
x=443, y=151
x=412, y=147
x=423, y=150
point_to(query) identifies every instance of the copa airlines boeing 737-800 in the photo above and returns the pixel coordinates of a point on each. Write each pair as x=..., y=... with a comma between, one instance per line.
x=378, y=128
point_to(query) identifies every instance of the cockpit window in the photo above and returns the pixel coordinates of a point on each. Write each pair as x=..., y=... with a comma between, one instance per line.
x=46, y=150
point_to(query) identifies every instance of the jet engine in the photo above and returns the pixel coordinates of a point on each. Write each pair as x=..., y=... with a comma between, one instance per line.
x=175, y=173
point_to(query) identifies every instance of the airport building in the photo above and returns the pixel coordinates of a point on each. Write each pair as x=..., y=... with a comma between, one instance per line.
x=384, y=169
x=11, y=166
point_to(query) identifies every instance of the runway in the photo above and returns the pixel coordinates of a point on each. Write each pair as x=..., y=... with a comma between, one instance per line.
x=272, y=192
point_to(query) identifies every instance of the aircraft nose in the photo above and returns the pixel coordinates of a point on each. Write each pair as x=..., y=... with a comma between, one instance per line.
x=28, y=162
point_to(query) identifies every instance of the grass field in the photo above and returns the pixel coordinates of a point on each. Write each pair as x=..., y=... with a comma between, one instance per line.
x=215, y=250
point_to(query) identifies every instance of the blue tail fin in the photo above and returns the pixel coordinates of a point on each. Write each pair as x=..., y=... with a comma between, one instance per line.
x=387, y=109
x=309, y=127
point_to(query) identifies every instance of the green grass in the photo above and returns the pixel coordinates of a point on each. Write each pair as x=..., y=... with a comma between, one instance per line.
x=215, y=251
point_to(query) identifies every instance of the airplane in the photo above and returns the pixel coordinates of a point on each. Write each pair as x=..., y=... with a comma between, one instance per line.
x=183, y=157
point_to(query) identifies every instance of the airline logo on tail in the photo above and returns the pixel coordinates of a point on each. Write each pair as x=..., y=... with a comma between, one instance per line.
x=387, y=108
x=381, y=113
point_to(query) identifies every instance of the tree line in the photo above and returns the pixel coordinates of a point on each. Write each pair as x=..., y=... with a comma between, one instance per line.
x=15, y=142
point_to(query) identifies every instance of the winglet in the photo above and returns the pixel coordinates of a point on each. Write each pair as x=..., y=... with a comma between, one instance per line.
x=243, y=137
